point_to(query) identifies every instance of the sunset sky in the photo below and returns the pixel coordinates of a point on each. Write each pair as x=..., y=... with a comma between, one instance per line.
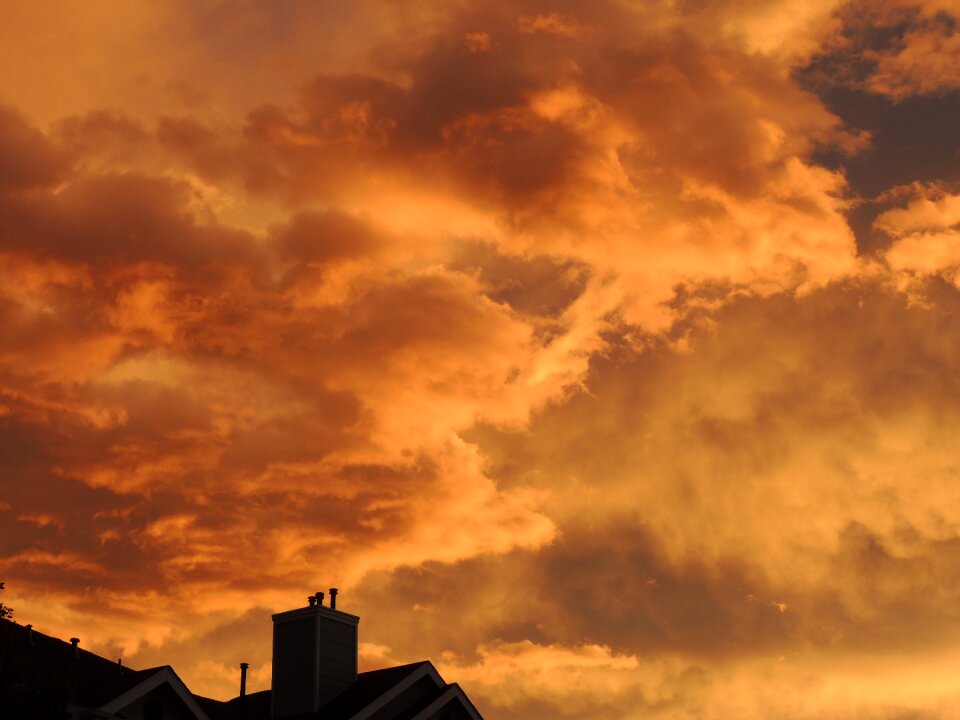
x=605, y=353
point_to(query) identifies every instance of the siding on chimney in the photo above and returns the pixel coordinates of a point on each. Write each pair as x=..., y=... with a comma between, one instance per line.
x=314, y=658
x=336, y=658
x=294, y=658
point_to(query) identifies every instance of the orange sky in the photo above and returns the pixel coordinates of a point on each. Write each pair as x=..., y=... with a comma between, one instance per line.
x=604, y=353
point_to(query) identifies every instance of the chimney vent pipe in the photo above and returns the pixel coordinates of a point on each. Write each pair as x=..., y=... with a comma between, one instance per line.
x=333, y=598
x=30, y=633
x=243, y=678
x=319, y=597
x=312, y=600
x=76, y=646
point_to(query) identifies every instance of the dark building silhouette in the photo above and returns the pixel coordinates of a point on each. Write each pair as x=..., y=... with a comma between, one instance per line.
x=314, y=677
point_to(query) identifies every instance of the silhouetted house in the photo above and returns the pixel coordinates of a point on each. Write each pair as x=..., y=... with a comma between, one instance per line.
x=314, y=676
x=42, y=677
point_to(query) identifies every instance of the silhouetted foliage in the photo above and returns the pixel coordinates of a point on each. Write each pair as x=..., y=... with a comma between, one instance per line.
x=5, y=612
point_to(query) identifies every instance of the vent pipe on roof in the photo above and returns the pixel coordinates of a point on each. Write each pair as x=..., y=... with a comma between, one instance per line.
x=76, y=646
x=243, y=678
x=333, y=598
x=30, y=633
x=319, y=597
x=311, y=600
x=120, y=665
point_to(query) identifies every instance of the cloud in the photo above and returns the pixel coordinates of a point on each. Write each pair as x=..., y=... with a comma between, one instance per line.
x=776, y=510
x=926, y=58
x=898, y=48
x=541, y=153
x=478, y=42
x=134, y=318
x=924, y=233
x=29, y=159
x=576, y=679
x=552, y=24
x=927, y=64
x=544, y=326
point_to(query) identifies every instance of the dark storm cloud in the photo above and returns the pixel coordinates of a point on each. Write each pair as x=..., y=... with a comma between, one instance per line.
x=29, y=159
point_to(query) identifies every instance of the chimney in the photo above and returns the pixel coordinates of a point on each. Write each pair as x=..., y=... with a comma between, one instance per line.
x=333, y=598
x=30, y=634
x=314, y=658
x=243, y=678
x=76, y=646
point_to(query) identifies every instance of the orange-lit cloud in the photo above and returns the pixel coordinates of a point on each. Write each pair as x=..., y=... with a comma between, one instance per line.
x=573, y=341
x=896, y=48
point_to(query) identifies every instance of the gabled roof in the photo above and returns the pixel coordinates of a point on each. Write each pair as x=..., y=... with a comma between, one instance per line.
x=42, y=672
x=163, y=675
x=91, y=679
x=448, y=695
x=373, y=691
x=251, y=707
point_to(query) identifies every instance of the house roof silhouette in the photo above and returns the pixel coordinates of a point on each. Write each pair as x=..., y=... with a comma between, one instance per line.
x=45, y=677
x=370, y=696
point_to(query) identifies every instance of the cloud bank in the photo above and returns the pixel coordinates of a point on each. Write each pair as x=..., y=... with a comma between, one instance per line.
x=572, y=341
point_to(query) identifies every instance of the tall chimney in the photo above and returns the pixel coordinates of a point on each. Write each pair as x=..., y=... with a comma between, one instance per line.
x=243, y=678
x=76, y=646
x=333, y=598
x=314, y=658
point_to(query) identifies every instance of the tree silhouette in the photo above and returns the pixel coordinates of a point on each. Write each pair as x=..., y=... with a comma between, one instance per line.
x=5, y=611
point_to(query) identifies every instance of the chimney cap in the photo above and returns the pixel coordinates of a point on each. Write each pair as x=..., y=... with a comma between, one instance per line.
x=319, y=596
x=74, y=641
